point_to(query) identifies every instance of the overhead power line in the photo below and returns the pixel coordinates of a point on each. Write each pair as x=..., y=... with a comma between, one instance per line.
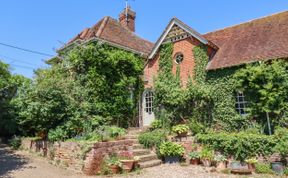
x=27, y=50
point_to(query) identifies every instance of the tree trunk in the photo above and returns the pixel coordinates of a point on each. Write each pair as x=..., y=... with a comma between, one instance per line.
x=268, y=122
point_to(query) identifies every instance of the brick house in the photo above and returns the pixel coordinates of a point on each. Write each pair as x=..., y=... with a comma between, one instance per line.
x=257, y=40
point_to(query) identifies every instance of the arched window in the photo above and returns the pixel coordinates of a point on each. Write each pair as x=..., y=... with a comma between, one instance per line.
x=179, y=57
x=149, y=102
x=241, y=103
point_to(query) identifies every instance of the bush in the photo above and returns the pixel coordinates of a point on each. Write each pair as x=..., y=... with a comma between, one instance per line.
x=15, y=142
x=285, y=172
x=58, y=134
x=179, y=129
x=156, y=124
x=196, y=127
x=194, y=155
x=263, y=168
x=171, y=149
x=151, y=139
x=207, y=154
x=281, y=134
x=240, y=145
x=115, y=132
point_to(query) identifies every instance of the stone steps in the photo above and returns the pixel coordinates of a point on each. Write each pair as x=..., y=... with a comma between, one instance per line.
x=151, y=163
x=147, y=158
x=140, y=152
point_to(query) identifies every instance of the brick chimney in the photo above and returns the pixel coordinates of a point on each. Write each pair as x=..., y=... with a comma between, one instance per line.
x=127, y=19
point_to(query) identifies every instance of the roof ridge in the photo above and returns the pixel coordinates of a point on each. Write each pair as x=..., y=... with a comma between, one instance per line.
x=102, y=26
x=246, y=22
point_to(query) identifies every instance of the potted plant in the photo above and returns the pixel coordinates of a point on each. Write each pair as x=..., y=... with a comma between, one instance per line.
x=251, y=163
x=221, y=161
x=194, y=157
x=171, y=151
x=181, y=130
x=114, y=164
x=206, y=156
x=127, y=160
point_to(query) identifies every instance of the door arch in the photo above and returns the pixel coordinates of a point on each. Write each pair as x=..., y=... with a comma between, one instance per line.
x=147, y=107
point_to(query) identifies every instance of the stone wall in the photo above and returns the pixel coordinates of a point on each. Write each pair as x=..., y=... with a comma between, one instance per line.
x=86, y=158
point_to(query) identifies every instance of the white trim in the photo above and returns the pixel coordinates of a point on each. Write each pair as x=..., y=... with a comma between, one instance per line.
x=177, y=22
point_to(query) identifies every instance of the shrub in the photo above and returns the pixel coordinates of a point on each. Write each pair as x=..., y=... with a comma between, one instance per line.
x=263, y=168
x=115, y=132
x=156, y=124
x=58, y=134
x=281, y=134
x=171, y=149
x=151, y=139
x=220, y=158
x=240, y=145
x=181, y=128
x=15, y=142
x=285, y=172
x=196, y=127
x=207, y=153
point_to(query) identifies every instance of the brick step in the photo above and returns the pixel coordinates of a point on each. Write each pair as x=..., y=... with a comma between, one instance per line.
x=148, y=157
x=134, y=141
x=131, y=136
x=151, y=163
x=138, y=146
x=140, y=152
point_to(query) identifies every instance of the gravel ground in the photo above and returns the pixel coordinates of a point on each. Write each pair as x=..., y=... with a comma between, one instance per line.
x=21, y=164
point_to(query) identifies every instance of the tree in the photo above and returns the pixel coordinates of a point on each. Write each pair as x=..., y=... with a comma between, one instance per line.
x=266, y=85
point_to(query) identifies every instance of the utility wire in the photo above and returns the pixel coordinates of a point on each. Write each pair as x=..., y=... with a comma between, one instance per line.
x=16, y=60
x=27, y=50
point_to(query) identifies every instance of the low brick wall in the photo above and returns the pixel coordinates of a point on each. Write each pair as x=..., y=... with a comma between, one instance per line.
x=77, y=157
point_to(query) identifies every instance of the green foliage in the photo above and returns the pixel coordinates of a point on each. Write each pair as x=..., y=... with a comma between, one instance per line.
x=267, y=85
x=113, y=160
x=194, y=155
x=167, y=87
x=15, y=142
x=251, y=160
x=196, y=127
x=201, y=61
x=207, y=153
x=57, y=134
x=240, y=145
x=156, y=124
x=115, y=132
x=152, y=139
x=263, y=168
x=181, y=128
x=9, y=88
x=285, y=172
x=92, y=86
x=171, y=149
x=281, y=134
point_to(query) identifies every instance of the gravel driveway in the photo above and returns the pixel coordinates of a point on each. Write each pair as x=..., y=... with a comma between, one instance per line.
x=21, y=164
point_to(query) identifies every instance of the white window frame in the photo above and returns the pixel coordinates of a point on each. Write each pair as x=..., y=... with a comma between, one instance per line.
x=149, y=97
x=178, y=55
x=241, y=103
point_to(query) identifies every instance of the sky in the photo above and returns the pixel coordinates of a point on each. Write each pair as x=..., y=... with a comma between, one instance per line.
x=44, y=26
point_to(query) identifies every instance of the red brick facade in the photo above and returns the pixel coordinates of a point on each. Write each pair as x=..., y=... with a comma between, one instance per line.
x=185, y=47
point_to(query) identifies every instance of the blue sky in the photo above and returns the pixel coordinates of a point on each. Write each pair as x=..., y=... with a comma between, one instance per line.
x=45, y=25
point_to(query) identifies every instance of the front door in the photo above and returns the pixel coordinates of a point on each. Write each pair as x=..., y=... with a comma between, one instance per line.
x=147, y=108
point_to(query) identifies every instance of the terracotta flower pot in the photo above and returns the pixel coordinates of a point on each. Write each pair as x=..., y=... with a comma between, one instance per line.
x=194, y=161
x=221, y=165
x=206, y=162
x=127, y=165
x=251, y=167
x=114, y=169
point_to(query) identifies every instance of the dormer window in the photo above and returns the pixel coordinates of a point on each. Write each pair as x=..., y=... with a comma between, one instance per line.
x=179, y=58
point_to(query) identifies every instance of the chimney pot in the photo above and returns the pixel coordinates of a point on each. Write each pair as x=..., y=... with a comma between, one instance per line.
x=127, y=18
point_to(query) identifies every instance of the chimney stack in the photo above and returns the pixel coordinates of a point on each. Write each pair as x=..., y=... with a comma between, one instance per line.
x=127, y=19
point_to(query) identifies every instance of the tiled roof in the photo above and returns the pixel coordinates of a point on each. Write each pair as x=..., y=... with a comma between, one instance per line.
x=110, y=30
x=260, y=39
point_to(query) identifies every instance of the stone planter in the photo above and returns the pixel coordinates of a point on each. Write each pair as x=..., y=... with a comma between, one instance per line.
x=206, y=162
x=194, y=161
x=277, y=167
x=221, y=165
x=127, y=165
x=172, y=159
x=114, y=169
x=251, y=167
